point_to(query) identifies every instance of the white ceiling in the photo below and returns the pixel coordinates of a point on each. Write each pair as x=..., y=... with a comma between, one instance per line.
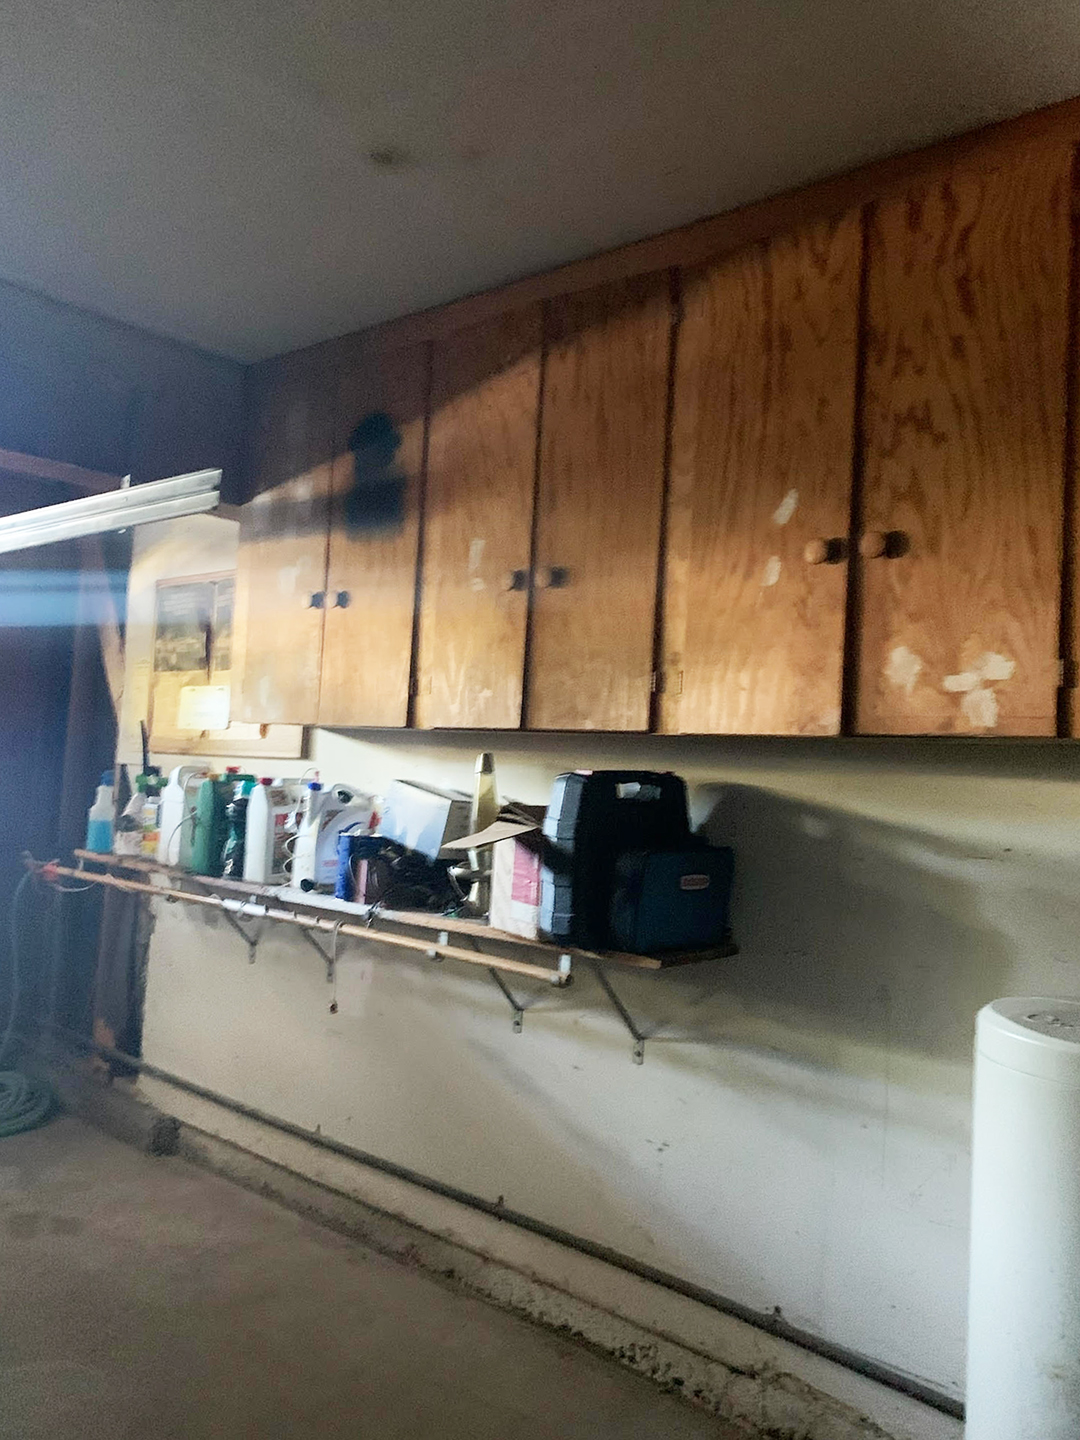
x=204, y=168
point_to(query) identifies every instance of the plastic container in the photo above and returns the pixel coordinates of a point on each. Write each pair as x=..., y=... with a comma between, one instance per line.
x=151, y=818
x=127, y=836
x=271, y=821
x=211, y=827
x=236, y=814
x=1023, y=1368
x=99, y=820
x=324, y=815
x=177, y=814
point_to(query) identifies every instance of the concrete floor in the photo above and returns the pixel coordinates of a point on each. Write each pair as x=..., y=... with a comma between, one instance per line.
x=142, y=1297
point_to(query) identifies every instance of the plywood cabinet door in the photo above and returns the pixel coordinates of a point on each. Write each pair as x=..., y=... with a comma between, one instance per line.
x=759, y=500
x=964, y=451
x=600, y=495
x=281, y=569
x=371, y=574
x=485, y=397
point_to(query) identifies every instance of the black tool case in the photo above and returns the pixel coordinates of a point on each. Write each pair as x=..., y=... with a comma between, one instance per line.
x=593, y=818
x=666, y=900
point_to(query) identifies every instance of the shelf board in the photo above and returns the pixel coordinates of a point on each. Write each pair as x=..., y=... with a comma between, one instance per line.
x=377, y=917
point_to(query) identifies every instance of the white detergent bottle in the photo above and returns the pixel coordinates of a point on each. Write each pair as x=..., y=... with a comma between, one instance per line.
x=270, y=814
x=175, y=807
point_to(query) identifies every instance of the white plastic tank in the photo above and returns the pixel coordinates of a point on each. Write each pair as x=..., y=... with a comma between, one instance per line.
x=1023, y=1374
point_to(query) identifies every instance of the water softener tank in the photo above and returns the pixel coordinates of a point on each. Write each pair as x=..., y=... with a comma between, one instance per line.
x=1023, y=1377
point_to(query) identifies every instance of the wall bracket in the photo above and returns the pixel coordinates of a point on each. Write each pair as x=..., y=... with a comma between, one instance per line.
x=517, y=1011
x=637, y=1054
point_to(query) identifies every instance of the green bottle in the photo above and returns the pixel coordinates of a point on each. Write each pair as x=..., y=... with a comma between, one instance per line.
x=211, y=825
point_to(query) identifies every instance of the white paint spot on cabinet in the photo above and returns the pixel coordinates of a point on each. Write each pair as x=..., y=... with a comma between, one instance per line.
x=903, y=669
x=771, y=574
x=786, y=509
x=992, y=666
x=966, y=680
x=980, y=708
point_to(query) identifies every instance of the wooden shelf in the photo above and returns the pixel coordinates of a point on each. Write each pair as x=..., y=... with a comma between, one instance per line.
x=544, y=957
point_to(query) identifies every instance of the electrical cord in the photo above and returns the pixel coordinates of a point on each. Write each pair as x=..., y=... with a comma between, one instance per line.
x=25, y=1101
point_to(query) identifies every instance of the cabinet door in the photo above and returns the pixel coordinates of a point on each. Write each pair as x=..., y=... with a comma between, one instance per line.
x=600, y=494
x=374, y=530
x=759, y=502
x=485, y=395
x=964, y=452
x=281, y=567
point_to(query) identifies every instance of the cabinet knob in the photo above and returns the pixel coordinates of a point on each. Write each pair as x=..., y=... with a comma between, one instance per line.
x=517, y=580
x=342, y=599
x=318, y=600
x=556, y=577
x=823, y=552
x=873, y=544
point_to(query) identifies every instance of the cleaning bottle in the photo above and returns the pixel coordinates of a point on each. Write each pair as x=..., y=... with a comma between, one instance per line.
x=177, y=813
x=271, y=821
x=151, y=817
x=236, y=814
x=99, y=821
x=211, y=826
x=127, y=838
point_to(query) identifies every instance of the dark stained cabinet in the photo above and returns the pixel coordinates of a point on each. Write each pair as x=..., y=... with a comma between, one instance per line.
x=759, y=502
x=374, y=538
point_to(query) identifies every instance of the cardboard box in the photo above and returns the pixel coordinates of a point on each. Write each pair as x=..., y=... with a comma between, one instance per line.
x=423, y=817
x=516, y=845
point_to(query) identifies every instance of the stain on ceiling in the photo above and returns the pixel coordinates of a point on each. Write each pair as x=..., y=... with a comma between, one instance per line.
x=252, y=177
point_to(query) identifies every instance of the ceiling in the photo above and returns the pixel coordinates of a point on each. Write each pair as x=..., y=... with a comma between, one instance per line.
x=254, y=175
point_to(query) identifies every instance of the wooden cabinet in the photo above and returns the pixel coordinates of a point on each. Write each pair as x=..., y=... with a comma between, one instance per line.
x=327, y=569
x=478, y=524
x=283, y=536
x=963, y=452
x=858, y=428
x=380, y=406
x=599, y=499
x=759, y=501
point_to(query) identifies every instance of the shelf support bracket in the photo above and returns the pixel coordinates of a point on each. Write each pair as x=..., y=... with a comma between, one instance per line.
x=638, y=1052
x=328, y=956
x=517, y=1012
x=251, y=941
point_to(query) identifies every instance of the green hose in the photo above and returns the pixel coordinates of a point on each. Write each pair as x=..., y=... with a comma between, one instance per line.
x=24, y=1100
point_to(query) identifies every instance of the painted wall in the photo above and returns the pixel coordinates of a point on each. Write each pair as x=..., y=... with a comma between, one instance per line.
x=798, y=1134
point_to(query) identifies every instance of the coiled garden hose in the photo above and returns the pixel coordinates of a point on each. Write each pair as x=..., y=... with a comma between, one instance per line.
x=25, y=1100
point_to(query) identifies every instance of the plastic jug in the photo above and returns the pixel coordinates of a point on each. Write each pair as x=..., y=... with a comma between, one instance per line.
x=271, y=821
x=177, y=815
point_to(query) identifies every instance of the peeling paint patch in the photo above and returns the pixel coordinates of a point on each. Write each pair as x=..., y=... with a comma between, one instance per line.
x=771, y=574
x=966, y=680
x=980, y=708
x=903, y=669
x=992, y=666
x=786, y=509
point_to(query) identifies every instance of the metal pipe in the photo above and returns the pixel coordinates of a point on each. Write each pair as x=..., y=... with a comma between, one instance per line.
x=771, y=1322
x=317, y=922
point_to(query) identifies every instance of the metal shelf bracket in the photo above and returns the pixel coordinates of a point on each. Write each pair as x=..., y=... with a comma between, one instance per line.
x=329, y=956
x=250, y=940
x=517, y=1011
x=637, y=1054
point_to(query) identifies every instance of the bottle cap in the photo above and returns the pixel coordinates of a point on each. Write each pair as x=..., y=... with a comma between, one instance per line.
x=266, y=779
x=314, y=785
